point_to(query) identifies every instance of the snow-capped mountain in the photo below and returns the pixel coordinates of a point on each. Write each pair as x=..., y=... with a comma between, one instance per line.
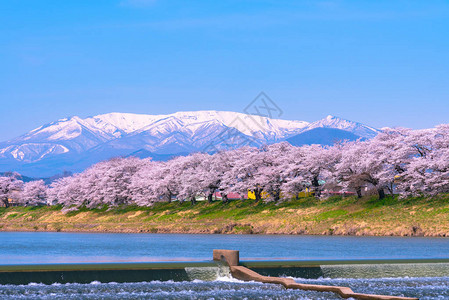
x=194, y=131
x=73, y=135
x=358, y=129
x=330, y=130
x=74, y=143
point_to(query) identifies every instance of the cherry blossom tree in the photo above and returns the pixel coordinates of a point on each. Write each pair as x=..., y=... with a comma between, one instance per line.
x=105, y=183
x=295, y=181
x=65, y=191
x=191, y=176
x=426, y=169
x=8, y=185
x=367, y=163
x=115, y=179
x=148, y=185
x=159, y=181
x=34, y=193
x=243, y=175
x=272, y=172
x=209, y=174
x=314, y=166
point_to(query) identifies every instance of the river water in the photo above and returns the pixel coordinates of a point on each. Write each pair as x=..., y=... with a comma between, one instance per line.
x=24, y=248
x=58, y=247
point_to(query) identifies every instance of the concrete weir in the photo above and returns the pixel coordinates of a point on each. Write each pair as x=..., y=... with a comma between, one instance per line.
x=227, y=263
x=231, y=257
x=104, y=272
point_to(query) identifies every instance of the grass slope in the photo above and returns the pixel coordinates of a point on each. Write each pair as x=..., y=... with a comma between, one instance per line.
x=334, y=216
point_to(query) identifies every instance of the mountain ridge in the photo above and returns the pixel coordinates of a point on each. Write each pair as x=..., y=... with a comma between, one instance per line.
x=74, y=143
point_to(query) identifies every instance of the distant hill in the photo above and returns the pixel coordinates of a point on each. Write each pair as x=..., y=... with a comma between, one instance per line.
x=47, y=180
x=142, y=153
x=322, y=136
x=18, y=176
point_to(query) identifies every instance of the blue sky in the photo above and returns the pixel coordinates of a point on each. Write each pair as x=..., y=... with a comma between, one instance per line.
x=383, y=63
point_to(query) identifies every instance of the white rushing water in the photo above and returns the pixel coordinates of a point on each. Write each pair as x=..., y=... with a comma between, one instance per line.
x=424, y=288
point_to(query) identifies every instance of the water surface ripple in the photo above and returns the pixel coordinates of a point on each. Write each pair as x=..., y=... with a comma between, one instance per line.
x=59, y=247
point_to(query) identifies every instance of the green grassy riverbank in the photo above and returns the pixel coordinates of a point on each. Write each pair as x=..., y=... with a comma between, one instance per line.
x=334, y=216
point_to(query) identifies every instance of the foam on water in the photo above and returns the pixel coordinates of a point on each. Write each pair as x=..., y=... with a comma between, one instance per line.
x=157, y=290
x=421, y=287
x=225, y=288
x=386, y=270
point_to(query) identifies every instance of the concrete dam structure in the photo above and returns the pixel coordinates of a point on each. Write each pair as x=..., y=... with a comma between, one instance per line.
x=226, y=263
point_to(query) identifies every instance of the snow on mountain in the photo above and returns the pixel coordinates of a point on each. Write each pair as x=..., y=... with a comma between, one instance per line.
x=119, y=124
x=73, y=135
x=250, y=125
x=63, y=130
x=162, y=124
x=184, y=131
x=194, y=131
x=75, y=143
x=358, y=129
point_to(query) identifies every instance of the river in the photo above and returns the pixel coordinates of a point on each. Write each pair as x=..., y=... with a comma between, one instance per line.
x=59, y=247
x=45, y=247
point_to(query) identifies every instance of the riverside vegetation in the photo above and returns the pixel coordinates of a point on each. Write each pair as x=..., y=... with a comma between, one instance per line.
x=417, y=216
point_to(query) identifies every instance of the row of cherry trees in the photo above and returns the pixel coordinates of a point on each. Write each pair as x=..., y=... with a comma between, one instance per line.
x=28, y=194
x=404, y=161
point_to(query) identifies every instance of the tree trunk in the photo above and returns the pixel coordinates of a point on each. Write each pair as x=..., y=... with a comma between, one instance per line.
x=193, y=200
x=224, y=198
x=390, y=188
x=5, y=201
x=169, y=197
x=381, y=193
x=359, y=192
x=316, y=186
x=277, y=195
x=258, y=194
x=210, y=198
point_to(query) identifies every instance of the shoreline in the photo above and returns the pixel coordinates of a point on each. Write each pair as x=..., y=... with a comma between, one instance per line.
x=426, y=235
x=204, y=232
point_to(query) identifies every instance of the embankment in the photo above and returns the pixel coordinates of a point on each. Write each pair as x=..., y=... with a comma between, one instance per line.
x=334, y=216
